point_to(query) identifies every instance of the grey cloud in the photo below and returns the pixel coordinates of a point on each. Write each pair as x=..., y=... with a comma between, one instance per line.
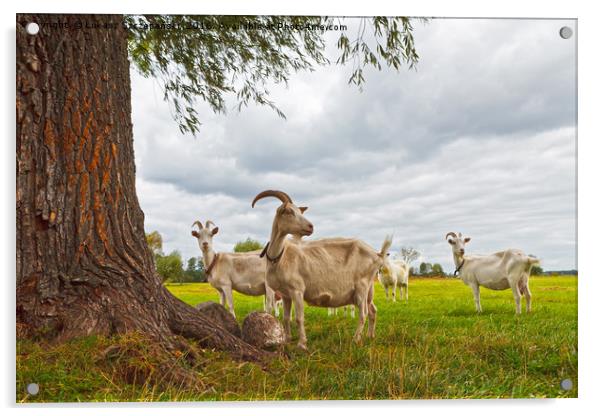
x=480, y=139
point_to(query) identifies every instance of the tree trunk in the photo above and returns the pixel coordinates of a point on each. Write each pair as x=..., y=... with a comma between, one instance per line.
x=83, y=266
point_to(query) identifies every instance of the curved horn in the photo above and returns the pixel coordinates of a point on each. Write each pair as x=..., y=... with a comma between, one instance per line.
x=452, y=234
x=209, y=222
x=276, y=194
x=198, y=224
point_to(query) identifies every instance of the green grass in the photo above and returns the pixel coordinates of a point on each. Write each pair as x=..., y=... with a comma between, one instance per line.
x=434, y=346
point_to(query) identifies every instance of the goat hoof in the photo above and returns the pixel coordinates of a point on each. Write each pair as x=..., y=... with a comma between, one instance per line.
x=302, y=347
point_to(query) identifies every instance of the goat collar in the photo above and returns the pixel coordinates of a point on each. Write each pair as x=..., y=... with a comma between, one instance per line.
x=212, y=265
x=459, y=268
x=274, y=260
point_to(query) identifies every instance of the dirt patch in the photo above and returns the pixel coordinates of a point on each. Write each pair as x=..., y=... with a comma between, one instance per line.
x=562, y=289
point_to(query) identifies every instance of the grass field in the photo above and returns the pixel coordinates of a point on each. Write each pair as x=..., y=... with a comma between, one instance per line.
x=434, y=346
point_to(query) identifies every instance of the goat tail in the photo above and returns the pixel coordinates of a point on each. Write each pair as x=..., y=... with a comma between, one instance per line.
x=386, y=246
x=531, y=261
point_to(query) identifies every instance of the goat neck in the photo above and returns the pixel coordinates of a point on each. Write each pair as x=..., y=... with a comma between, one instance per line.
x=277, y=242
x=458, y=259
x=208, y=258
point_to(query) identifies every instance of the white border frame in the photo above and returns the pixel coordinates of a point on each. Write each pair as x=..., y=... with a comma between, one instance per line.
x=589, y=206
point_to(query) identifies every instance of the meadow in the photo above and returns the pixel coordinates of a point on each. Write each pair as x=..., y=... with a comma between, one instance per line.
x=433, y=346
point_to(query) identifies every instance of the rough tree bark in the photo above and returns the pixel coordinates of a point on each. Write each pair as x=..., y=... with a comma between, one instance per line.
x=83, y=266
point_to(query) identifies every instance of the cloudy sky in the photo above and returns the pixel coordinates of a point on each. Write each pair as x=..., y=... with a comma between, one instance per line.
x=480, y=139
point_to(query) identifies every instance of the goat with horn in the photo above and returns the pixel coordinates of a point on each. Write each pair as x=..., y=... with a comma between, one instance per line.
x=242, y=272
x=329, y=272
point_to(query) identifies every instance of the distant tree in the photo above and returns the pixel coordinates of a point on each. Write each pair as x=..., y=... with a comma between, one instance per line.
x=248, y=245
x=155, y=242
x=190, y=272
x=426, y=268
x=194, y=270
x=536, y=270
x=170, y=267
x=201, y=267
x=409, y=254
x=438, y=269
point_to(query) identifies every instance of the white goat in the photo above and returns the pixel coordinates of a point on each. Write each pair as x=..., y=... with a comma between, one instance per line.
x=498, y=271
x=243, y=272
x=328, y=272
x=394, y=274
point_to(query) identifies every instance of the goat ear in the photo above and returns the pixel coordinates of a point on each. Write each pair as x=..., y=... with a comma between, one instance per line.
x=467, y=239
x=195, y=234
x=214, y=231
x=302, y=209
